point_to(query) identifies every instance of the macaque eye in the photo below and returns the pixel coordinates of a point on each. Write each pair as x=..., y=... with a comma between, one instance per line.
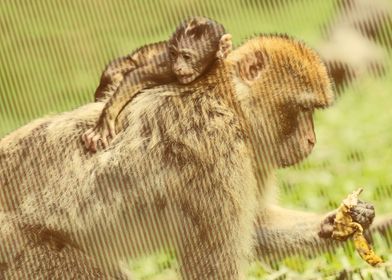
x=172, y=53
x=305, y=108
x=186, y=56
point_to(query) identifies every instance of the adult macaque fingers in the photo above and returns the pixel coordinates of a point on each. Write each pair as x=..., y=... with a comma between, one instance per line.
x=326, y=230
x=326, y=227
x=363, y=213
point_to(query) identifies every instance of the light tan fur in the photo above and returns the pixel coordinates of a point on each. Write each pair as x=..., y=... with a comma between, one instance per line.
x=190, y=170
x=187, y=55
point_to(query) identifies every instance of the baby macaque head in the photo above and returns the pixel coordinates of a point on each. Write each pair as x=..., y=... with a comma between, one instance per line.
x=195, y=46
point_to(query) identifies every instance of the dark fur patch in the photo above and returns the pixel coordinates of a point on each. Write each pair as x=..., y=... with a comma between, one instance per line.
x=177, y=154
x=197, y=28
x=56, y=239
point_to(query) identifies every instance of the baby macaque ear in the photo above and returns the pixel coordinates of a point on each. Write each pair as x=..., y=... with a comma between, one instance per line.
x=251, y=66
x=225, y=46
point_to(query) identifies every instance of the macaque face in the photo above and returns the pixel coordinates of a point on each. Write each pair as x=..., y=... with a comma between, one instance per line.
x=284, y=90
x=190, y=58
x=287, y=126
x=286, y=129
x=296, y=136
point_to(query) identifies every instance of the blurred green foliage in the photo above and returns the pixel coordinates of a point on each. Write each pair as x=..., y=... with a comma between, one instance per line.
x=53, y=51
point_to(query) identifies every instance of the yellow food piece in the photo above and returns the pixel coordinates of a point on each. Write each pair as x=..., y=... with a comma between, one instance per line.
x=364, y=250
x=344, y=227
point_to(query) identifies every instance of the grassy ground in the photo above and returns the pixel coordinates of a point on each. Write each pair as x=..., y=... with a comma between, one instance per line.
x=52, y=52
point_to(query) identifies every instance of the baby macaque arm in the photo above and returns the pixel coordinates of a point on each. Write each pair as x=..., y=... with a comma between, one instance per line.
x=134, y=82
x=113, y=75
x=117, y=69
x=144, y=77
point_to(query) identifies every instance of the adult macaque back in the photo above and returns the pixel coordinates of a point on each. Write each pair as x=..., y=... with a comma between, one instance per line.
x=189, y=172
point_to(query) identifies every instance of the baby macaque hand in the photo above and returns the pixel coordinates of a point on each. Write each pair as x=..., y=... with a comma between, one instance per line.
x=225, y=46
x=363, y=213
x=104, y=131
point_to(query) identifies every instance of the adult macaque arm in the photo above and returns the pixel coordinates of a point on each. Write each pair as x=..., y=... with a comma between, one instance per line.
x=287, y=232
x=282, y=232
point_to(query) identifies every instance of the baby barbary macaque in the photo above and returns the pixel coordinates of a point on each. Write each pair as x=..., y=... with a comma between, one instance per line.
x=193, y=48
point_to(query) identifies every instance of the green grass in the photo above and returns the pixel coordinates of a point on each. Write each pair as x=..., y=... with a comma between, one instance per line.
x=52, y=53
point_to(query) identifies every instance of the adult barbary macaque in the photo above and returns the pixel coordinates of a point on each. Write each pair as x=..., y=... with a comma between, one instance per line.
x=190, y=172
x=191, y=51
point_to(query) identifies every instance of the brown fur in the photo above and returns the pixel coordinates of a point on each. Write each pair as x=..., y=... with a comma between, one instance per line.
x=48, y=255
x=191, y=51
x=189, y=171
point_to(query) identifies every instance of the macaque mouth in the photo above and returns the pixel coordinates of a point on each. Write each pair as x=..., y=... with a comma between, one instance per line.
x=186, y=78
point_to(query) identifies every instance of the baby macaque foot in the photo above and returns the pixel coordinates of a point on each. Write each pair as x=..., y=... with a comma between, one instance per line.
x=363, y=213
x=104, y=131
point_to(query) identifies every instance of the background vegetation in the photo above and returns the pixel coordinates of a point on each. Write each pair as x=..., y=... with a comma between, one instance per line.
x=52, y=53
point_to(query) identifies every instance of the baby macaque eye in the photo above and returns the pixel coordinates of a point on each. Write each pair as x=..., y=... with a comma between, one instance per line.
x=172, y=53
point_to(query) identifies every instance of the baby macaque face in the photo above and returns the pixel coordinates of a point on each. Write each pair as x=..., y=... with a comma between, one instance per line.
x=191, y=57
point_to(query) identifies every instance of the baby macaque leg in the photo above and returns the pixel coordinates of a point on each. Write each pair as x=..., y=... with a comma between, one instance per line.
x=225, y=46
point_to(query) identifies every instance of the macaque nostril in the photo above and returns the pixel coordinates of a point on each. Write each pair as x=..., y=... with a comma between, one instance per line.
x=178, y=70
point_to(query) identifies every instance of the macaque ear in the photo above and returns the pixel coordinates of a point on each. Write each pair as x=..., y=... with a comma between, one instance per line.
x=225, y=46
x=251, y=66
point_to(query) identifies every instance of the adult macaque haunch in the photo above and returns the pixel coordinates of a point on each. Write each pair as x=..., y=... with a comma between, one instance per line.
x=190, y=172
x=191, y=51
x=49, y=255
